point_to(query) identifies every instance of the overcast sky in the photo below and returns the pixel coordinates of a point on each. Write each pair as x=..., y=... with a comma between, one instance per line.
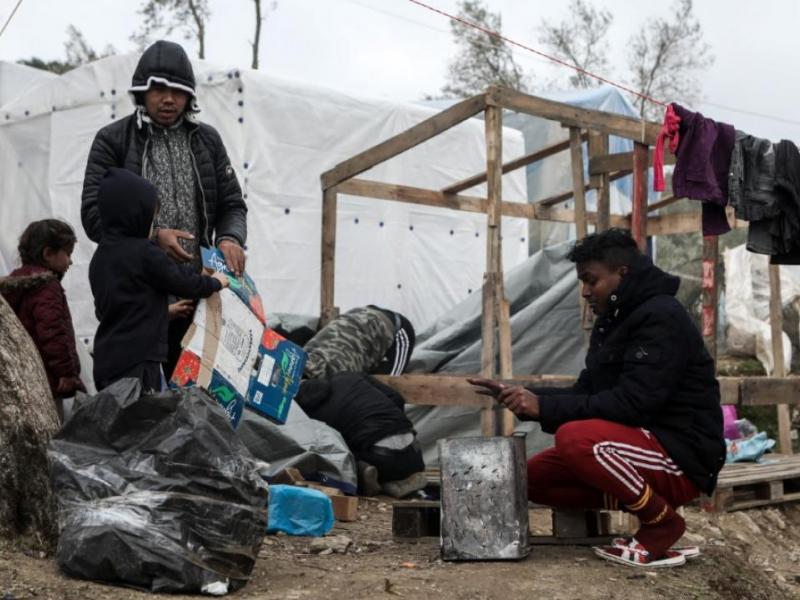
x=395, y=50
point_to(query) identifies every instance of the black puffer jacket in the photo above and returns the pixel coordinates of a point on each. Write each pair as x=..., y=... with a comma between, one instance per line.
x=647, y=367
x=124, y=144
x=131, y=279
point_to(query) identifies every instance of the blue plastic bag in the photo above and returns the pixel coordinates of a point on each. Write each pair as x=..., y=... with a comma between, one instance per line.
x=748, y=449
x=299, y=511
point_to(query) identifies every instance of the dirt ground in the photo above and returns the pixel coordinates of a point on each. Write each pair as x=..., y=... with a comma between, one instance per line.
x=751, y=554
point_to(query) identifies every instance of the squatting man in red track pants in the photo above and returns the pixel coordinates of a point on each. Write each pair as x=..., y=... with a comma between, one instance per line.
x=641, y=429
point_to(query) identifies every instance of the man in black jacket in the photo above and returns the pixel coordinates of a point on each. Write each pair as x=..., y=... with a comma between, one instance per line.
x=200, y=201
x=641, y=429
x=371, y=418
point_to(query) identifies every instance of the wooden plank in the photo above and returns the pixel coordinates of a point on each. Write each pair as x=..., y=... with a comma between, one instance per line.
x=766, y=391
x=574, y=116
x=561, y=197
x=567, y=215
x=328, y=260
x=578, y=185
x=622, y=160
x=436, y=390
x=779, y=368
x=710, y=287
x=639, y=200
x=513, y=165
x=663, y=203
x=401, y=142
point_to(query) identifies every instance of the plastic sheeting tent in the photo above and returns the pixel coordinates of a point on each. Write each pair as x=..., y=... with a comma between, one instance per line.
x=281, y=136
x=747, y=305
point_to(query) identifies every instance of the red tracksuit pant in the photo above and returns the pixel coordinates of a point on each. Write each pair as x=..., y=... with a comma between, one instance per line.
x=601, y=464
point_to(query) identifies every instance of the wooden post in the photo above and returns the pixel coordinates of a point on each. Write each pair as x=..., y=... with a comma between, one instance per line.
x=710, y=288
x=779, y=368
x=598, y=146
x=576, y=156
x=578, y=190
x=328, y=265
x=493, y=280
x=639, y=208
x=506, y=358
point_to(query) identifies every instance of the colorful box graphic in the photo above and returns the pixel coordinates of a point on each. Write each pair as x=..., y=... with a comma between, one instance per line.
x=229, y=352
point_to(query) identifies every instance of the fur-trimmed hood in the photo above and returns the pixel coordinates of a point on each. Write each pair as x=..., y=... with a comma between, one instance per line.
x=25, y=279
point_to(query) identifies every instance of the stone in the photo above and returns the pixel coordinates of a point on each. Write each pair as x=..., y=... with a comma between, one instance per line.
x=28, y=419
x=333, y=543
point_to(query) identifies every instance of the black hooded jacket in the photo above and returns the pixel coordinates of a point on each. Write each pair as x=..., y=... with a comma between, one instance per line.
x=131, y=278
x=647, y=367
x=124, y=144
x=359, y=407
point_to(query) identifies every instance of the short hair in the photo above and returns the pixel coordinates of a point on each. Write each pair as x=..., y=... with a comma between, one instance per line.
x=615, y=247
x=47, y=233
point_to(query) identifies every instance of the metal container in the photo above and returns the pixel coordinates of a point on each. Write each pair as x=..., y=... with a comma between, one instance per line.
x=484, y=498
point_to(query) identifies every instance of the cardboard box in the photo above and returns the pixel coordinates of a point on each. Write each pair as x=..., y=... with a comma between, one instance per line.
x=229, y=352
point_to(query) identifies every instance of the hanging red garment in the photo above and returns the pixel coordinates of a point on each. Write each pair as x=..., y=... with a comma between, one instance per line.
x=669, y=129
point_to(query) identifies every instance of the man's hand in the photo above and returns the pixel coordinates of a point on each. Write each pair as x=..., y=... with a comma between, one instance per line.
x=522, y=402
x=490, y=386
x=182, y=309
x=169, y=241
x=234, y=256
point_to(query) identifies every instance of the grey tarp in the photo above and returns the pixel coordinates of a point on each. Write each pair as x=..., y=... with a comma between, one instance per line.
x=318, y=451
x=547, y=338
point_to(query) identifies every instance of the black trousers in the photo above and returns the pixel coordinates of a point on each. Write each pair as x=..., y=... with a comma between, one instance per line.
x=148, y=373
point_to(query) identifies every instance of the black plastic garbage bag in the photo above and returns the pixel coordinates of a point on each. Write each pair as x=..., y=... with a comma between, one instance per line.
x=156, y=492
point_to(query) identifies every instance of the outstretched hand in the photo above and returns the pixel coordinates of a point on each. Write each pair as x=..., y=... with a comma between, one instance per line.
x=520, y=401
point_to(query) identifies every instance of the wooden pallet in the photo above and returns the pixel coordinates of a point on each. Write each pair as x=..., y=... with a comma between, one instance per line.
x=747, y=485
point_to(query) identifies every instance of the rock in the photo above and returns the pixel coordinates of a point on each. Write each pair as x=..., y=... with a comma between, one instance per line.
x=694, y=539
x=330, y=544
x=28, y=419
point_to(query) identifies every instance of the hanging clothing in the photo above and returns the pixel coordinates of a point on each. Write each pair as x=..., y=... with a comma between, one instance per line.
x=702, y=167
x=764, y=188
x=670, y=130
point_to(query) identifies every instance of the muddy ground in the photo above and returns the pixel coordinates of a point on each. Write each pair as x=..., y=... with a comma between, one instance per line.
x=751, y=554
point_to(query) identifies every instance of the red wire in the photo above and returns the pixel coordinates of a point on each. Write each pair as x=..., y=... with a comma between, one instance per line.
x=540, y=53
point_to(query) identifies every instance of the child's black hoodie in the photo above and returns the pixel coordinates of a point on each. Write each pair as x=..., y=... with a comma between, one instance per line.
x=131, y=278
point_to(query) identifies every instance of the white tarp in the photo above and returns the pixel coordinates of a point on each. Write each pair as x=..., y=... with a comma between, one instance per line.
x=16, y=79
x=747, y=304
x=281, y=136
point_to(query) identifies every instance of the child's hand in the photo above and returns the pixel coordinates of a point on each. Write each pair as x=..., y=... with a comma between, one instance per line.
x=222, y=278
x=182, y=309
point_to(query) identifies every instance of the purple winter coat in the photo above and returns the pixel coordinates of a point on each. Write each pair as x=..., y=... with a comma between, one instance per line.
x=701, y=170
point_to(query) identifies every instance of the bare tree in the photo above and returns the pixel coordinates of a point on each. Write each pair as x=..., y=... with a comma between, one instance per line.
x=666, y=57
x=483, y=59
x=78, y=52
x=259, y=20
x=580, y=40
x=187, y=16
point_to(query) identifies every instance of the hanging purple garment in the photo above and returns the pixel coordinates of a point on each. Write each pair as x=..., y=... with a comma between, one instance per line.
x=701, y=170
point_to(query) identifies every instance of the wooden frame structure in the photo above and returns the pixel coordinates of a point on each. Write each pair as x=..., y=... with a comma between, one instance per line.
x=584, y=126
